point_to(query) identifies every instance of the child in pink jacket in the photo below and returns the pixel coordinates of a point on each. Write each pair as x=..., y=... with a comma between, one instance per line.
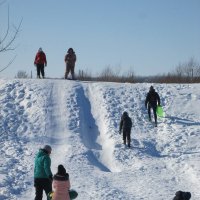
x=61, y=184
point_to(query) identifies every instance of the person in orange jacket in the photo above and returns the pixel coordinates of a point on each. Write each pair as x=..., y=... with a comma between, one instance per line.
x=40, y=62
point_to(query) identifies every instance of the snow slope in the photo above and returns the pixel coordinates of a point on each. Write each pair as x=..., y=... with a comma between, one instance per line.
x=80, y=120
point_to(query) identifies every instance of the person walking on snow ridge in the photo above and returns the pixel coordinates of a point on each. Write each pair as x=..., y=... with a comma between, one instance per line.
x=126, y=125
x=70, y=59
x=40, y=62
x=151, y=102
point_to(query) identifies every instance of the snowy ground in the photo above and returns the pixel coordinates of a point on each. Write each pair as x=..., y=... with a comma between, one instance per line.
x=80, y=120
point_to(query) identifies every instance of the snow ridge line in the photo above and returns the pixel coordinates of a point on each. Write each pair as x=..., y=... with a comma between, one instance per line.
x=104, y=139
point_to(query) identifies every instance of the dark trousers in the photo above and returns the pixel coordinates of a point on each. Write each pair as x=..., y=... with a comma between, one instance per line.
x=153, y=107
x=40, y=185
x=69, y=68
x=127, y=136
x=40, y=69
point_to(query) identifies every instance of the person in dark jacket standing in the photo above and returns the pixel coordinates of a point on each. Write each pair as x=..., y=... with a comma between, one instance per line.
x=40, y=62
x=151, y=102
x=42, y=172
x=70, y=59
x=126, y=125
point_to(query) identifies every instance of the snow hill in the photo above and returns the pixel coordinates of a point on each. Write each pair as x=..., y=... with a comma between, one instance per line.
x=80, y=120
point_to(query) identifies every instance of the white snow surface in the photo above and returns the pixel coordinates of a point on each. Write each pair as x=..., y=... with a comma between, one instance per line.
x=80, y=120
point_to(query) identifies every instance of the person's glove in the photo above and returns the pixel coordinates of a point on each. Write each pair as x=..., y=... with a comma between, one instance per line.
x=45, y=64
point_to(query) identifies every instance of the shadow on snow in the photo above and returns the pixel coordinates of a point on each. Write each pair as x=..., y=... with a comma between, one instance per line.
x=88, y=129
x=182, y=121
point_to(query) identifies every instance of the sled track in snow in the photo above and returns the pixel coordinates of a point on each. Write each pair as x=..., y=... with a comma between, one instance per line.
x=56, y=119
x=88, y=129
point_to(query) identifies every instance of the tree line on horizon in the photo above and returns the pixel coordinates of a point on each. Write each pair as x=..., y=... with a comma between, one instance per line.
x=187, y=72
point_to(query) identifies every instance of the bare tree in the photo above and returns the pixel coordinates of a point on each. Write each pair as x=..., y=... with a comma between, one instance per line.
x=6, y=42
x=21, y=74
x=179, y=70
x=2, y=2
x=187, y=71
x=11, y=61
x=8, y=38
x=131, y=76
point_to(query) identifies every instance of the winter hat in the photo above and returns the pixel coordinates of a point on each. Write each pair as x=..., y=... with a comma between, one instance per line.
x=47, y=148
x=151, y=88
x=70, y=50
x=61, y=170
x=180, y=195
x=125, y=114
x=40, y=49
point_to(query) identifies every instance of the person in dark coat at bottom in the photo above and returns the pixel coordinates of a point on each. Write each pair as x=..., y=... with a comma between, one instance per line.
x=126, y=125
x=61, y=184
x=180, y=195
x=151, y=102
x=43, y=176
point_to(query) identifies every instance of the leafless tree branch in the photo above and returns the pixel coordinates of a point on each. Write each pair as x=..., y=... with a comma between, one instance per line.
x=8, y=46
x=1, y=3
x=8, y=64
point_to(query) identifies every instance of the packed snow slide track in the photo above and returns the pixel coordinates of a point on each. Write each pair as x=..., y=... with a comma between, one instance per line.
x=56, y=124
x=68, y=117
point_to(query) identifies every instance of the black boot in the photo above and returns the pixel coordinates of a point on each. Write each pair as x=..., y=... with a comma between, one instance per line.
x=129, y=144
x=150, y=119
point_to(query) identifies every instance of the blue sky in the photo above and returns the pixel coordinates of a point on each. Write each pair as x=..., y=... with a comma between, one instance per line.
x=147, y=36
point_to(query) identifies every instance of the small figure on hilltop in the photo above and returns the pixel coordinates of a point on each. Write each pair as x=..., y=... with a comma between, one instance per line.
x=125, y=126
x=151, y=102
x=180, y=195
x=40, y=62
x=61, y=186
x=42, y=172
x=70, y=59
